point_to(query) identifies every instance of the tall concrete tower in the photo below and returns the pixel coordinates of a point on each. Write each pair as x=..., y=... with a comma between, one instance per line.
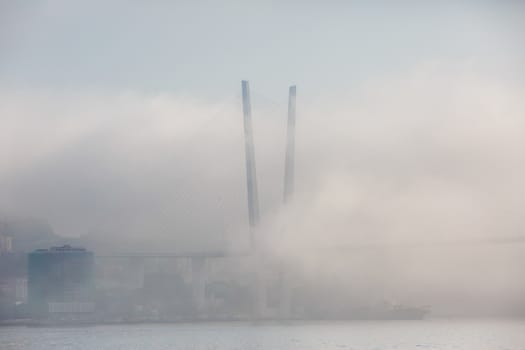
x=289, y=182
x=259, y=284
x=251, y=176
x=289, y=163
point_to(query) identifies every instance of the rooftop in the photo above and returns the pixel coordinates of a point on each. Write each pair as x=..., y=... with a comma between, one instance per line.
x=64, y=248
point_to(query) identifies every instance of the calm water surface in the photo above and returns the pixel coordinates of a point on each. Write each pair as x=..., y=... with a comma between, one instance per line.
x=468, y=335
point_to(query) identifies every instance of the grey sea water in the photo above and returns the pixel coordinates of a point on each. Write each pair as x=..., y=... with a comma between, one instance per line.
x=429, y=334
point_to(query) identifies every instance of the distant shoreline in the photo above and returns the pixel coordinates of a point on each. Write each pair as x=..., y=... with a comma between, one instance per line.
x=47, y=324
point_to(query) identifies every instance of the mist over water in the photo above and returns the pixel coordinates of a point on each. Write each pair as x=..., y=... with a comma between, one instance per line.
x=124, y=217
x=406, y=187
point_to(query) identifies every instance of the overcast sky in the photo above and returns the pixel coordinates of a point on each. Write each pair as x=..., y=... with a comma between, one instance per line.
x=206, y=47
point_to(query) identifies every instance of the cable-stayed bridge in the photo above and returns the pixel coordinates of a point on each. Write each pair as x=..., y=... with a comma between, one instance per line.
x=199, y=259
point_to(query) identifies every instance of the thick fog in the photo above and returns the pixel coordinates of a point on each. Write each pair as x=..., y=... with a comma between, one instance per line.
x=408, y=188
x=121, y=123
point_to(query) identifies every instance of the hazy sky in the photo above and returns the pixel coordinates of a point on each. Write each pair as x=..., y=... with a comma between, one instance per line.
x=123, y=118
x=206, y=47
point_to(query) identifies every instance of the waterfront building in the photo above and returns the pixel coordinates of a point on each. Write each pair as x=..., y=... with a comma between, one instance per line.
x=61, y=283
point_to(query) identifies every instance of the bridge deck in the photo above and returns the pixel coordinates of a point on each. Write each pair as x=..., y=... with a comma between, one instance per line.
x=175, y=255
